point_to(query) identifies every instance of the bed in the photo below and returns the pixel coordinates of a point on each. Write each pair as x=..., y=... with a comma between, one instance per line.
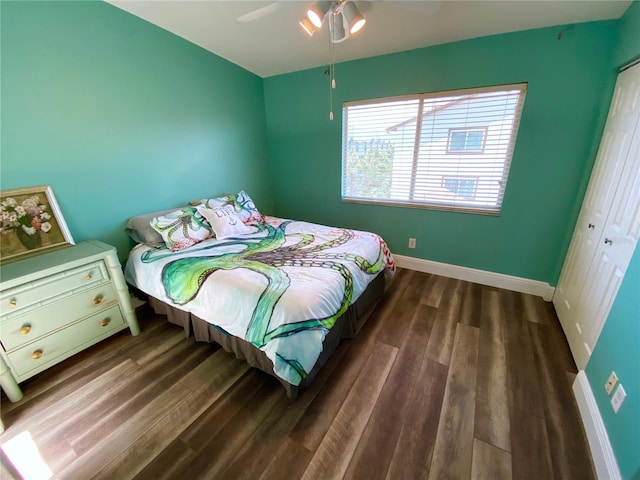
x=281, y=295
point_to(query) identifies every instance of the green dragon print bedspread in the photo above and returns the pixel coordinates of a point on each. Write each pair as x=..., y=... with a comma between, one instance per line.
x=281, y=288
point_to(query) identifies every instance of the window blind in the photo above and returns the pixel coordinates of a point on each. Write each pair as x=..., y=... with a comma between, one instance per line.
x=447, y=150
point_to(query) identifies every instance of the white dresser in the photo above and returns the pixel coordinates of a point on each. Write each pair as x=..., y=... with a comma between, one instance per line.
x=56, y=304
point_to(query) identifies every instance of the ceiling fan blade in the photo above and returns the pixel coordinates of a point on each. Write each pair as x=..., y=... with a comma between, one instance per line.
x=260, y=12
x=419, y=6
x=427, y=7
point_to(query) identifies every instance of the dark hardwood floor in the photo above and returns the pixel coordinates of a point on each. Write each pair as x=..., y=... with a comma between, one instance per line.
x=446, y=380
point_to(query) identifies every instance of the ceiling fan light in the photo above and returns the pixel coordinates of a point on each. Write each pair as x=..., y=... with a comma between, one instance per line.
x=307, y=26
x=357, y=26
x=317, y=13
x=355, y=20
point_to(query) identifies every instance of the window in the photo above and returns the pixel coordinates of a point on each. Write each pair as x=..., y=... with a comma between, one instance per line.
x=466, y=140
x=460, y=186
x=449, y=150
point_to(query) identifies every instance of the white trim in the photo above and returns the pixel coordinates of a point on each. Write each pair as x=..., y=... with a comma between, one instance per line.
x=603, y=457
x=517, y=284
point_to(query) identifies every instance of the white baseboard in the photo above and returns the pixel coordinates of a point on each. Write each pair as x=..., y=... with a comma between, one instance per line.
x=604, y=459
x=492, y=279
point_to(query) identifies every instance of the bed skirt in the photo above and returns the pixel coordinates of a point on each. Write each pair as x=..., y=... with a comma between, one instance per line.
x=347, y=326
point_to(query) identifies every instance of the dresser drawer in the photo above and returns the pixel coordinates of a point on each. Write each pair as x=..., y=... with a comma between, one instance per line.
x=44, y=352
x=23, y=329
x=49, y=289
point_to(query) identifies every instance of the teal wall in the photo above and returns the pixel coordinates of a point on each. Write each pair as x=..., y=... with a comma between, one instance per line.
x=121, y=117
x=618, y=347
x=570, y=84
x=628, y=46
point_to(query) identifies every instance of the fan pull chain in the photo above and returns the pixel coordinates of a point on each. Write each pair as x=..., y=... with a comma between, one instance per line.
x=332, y=66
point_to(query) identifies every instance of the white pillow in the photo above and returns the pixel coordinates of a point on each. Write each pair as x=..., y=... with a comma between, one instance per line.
x=224, y=221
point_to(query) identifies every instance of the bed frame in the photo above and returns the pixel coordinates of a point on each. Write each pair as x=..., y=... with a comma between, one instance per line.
x=347, y=326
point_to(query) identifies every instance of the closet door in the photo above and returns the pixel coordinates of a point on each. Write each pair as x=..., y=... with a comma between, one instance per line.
x=613, y=254
x=607, y=229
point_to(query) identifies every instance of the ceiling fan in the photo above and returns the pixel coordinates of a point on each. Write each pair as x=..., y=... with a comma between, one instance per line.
x=342, y=16
x=260, y=12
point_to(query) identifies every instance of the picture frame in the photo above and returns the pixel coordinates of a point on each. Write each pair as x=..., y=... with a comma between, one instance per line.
x=31, y=223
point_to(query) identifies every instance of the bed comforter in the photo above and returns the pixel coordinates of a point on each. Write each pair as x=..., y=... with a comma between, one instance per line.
x=281, y=288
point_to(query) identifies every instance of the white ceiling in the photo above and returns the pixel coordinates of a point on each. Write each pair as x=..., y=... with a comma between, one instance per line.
x=274, y=43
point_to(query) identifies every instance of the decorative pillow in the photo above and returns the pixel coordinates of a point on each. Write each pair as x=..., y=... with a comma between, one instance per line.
x=140, y=230
x=182, y=228
x=242, y=204
x=224, y=221
x=248, y=208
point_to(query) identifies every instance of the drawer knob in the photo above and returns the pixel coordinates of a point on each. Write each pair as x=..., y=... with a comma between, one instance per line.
x=97, y=300
x=105, y=322
x=13, y=302
x=25, y=329
x=88, y=276
x=36, y=355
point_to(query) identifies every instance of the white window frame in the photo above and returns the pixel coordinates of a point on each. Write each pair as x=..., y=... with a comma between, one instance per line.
x=490, y=189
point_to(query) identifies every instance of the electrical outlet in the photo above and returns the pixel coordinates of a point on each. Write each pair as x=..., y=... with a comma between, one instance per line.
x=618, y=398
x=611, y=383
x=412, y=243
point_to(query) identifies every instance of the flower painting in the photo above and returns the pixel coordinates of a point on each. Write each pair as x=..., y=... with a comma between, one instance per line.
x=30, y=223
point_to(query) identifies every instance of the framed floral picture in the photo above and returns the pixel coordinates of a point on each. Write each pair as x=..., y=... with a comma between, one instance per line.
x=31, y=223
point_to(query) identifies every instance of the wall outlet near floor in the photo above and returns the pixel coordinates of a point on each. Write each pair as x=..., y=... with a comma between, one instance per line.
x=618, y=398
x=412, y=243
x=612, y=381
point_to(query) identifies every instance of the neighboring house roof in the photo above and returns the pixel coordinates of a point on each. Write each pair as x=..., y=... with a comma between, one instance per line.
x=433, y=111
